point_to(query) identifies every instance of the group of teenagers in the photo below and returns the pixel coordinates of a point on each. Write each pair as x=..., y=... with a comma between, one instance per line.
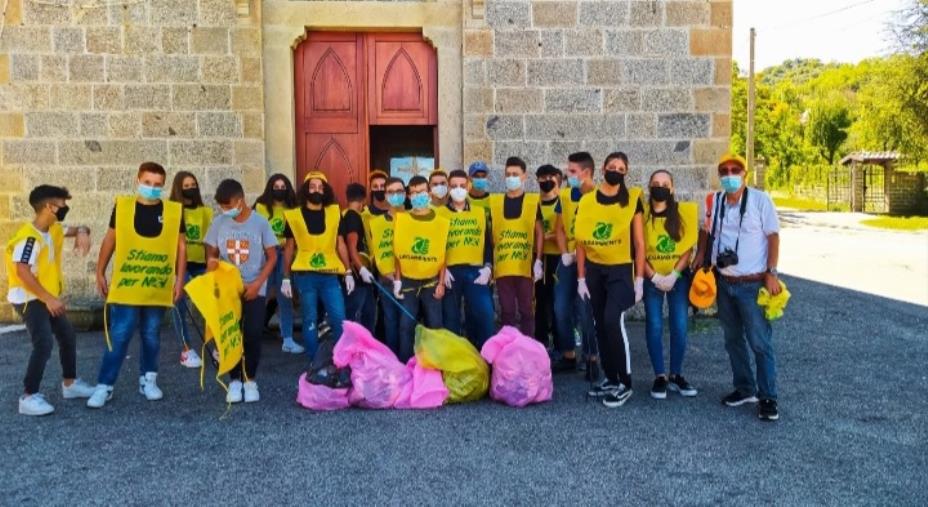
x=566, y=263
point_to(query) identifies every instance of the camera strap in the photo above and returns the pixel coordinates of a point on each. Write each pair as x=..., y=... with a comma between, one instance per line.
x=719, y=219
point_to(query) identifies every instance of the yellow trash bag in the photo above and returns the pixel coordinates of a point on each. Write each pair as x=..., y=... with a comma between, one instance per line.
x=465, y=373
x=218, y=297
x=773, y=305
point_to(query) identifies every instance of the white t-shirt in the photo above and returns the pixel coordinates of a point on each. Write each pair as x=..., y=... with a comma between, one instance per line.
x=760, y=221
x=27, y=252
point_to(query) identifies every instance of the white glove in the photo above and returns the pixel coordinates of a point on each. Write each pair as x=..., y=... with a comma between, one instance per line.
x=665, y=282
x=285, y=288
x=349, y=284
x=366, y=275
x=483, y=278
x=639, y=288
x=567, y=259
x=538, y=270
x=398, y=289
x=449, y=279
x=582, y=290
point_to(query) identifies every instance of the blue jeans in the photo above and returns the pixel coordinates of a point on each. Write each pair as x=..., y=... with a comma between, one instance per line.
x=391, y=316
x=123, y=321
x=359, y=305
x=677, y=308
x=571, y=312
x=284, y=304
x=479, y=317
x=415, y=293
x=179, y=313
x=746, y=327
x=313, y=289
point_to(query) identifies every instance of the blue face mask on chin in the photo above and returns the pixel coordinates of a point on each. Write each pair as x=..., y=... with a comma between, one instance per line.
x=420, y=200
x=149, y=192
x=731, y=183
x=396, y=200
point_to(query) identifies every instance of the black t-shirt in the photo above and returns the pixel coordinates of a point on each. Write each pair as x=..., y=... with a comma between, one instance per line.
x=148, y=220
x=315, y=222
x=614, y=199
x=352, y=222
x=512, y=208
x=375, y=211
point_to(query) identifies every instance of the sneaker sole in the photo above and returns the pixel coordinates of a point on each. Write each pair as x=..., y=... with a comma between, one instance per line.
x=150, y=399
x=676, y=389
x=75, y=396
x=107, y=400
x=659, y=396
x=738, y=403
x=37, y=414
x=621, y=401
x=770, y=418
x=189, y=365
x=599, y=394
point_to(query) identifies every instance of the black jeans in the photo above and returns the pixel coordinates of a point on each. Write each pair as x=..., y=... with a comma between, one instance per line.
x=612, y=291
x=545, y=325
x=416, y=293
x=252, y=332
x=41, y=326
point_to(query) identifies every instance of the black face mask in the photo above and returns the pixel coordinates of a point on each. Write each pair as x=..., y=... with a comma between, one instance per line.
x=660, y=194
x=614, y=178
x=314, y=198
x=61, y=213
x=190, y=193
x=279, y=195
x=546, y=186
x=379, y=195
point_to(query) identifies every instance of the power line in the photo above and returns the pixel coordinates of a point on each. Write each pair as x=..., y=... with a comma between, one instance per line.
x=793, y=24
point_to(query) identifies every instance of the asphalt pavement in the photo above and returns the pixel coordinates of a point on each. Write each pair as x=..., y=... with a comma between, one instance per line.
x=853, y=397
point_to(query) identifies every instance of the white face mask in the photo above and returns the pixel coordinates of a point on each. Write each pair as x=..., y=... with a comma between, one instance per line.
x=458, y=194
x=440, y=191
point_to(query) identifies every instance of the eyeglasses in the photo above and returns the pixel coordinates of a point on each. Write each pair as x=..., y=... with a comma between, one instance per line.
x=730, y=169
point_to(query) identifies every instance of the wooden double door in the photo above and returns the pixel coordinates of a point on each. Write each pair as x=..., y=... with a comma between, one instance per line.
x=347, y=82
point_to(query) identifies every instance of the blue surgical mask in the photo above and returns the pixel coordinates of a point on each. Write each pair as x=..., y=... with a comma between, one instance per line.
x=731, y=183
x=480, y=184
x=420, y=200
x=149, y=192
x=574, y=181
x=396, y=200
x=232, y=213
x=513, y=183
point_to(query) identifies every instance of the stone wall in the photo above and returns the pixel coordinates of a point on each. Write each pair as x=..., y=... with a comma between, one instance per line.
x=906, y=193
x=546, y=78
x=89, y=89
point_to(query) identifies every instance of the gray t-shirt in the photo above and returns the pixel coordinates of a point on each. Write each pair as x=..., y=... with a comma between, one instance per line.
x=243, y=244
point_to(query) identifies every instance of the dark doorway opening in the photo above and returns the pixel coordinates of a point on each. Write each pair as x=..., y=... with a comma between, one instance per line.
x=403, y=151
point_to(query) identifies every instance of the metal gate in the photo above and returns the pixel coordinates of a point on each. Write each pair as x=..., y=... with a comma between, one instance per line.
x=874, y=190
x=839, y=187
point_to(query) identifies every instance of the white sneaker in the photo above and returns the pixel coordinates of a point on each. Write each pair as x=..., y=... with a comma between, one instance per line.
x=251, y=392
x=101, y=394
x=34, y=404
x=148, y=386
x=292, y=346
x=77, y=389
x=235, y=392
x=190, y=359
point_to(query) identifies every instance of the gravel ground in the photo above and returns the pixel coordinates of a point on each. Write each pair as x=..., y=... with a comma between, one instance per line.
x=854, y=409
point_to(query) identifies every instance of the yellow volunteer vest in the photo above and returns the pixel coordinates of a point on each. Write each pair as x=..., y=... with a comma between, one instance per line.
x=603, y=230
x=513, y=240
x=316, y=252
x=550, y=221
x=48, y=273
x=661, y=250
x=482, y=202
x=380, y=242
x=218, y=297
x=144, y=268
x=419, y=246
x=196, y=222
x=466, y=237
x=276, y=218
x=568, y=214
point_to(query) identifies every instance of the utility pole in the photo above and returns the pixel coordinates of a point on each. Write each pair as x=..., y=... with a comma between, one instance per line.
x=750, y=140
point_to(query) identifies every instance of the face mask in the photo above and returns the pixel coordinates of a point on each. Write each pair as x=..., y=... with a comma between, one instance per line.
x=396, y=200
x=480, y=184
x=546, y=186
x=232, y=213
x=190, y=193
x=378, y=195
x=660, y=194
x=279, y=195
x=513, y=183
x=149, y=192
x=614, y=178
x=731, y=183
x=61, y=213
x=420, y=200
x=440, y=191
x=573, y=181
x=314, y=197
x=458, y=194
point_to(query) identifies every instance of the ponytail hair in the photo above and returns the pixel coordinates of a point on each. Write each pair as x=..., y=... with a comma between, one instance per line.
x=623, y=188
x=673, y=223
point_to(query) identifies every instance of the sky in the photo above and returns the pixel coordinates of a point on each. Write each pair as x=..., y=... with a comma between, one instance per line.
x=830, y=30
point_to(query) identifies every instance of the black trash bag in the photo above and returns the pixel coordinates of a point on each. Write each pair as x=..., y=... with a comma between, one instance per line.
x=322, y=370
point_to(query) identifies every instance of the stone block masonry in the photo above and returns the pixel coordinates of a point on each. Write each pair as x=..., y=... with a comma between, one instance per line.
x=88, y=90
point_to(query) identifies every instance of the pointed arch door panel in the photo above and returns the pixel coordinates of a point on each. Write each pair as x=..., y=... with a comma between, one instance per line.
x=403, y=80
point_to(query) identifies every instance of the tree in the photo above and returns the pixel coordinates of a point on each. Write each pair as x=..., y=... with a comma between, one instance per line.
x=830, y=120
x=911, y=28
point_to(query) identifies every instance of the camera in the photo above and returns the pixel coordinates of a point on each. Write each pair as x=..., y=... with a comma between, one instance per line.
x=726, y=258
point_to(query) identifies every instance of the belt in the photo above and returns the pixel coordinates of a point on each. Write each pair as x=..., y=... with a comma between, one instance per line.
x=757, y=277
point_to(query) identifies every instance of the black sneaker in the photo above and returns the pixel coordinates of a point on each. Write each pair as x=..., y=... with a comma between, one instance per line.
x=659, y=388
x=680, y=385
x=737, y=398
x=617, y=397
x=564, y=365
x=767, y=410
x=603, y=388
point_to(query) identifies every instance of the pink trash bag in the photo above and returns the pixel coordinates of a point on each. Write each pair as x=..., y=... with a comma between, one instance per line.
x=323, y=398
x=377, y=376
x=425, y=388
x=521, y=368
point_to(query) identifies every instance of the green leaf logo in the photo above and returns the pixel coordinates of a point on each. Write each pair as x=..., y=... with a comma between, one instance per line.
x=193, y=232
x=666, y=244
x=277, y=225
x=420, y=246
x=602, y=231
x=317, y=260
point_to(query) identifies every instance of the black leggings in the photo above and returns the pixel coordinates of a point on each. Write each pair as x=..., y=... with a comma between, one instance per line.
x=41, y=325
x=252, y=332
x=611, y=293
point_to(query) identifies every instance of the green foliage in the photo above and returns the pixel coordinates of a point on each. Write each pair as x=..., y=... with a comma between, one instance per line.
x=830, y=119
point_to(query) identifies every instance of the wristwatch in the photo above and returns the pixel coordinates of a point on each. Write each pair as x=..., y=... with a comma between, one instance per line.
x=773, y=271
